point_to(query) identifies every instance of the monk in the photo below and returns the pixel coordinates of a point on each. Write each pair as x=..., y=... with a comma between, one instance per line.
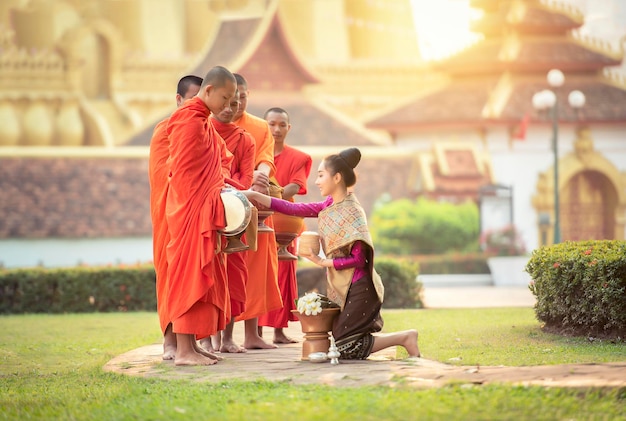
x=196, y=297
x=292, y=171
x=262, y=292
x=188, y=86
x=241, y=144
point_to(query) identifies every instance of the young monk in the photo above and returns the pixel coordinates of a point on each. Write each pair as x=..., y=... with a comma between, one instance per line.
x=241, y=144
x=262, y=292
x=197, y=300
x=188, y=86
x=352, y=281
x=292, y=171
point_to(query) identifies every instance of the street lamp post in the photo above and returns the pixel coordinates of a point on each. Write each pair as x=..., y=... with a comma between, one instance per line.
x=547, y=99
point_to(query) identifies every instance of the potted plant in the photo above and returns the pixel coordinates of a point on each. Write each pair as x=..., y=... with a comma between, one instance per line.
x=316, y=313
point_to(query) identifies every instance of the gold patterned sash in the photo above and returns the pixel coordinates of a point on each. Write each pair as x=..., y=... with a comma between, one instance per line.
x=340, y=226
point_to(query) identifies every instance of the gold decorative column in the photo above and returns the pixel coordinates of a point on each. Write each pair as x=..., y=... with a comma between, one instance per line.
x=10, y=130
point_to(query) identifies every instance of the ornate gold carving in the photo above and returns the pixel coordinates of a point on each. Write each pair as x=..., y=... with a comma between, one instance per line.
x=575, y=172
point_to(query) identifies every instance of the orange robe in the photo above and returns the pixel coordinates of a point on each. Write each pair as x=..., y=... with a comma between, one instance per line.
x=262, y=292
x=197, y=293
x=292, y=166
x=158, y=177
x=241, y=144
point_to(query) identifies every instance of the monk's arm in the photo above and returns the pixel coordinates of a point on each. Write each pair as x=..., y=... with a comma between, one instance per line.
x=290, y=190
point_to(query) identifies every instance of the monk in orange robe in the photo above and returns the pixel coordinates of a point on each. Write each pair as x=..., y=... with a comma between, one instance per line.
x=196, y=297
x=292, y=171
x=188, y=87
x=241, y=144
x=262, y=292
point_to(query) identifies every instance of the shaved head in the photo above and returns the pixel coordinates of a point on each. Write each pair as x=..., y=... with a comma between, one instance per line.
x=218, y=76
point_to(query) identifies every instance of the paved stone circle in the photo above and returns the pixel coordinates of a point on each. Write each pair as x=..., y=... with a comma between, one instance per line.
x=285, y=364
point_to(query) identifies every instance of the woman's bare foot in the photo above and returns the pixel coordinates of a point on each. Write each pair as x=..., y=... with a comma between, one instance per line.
x=410, y=343
x=231, y=347
x=281, y=338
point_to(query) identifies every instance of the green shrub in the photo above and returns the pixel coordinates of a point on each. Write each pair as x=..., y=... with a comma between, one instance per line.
x=402, y=290
x=405, y=227
x=77, y=290
x=581, y=287
x=453, y=263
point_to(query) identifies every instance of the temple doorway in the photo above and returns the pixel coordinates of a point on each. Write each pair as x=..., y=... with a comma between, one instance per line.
x=588, y=205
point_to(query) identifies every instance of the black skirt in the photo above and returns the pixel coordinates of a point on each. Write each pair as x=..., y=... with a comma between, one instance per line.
x=357, y=321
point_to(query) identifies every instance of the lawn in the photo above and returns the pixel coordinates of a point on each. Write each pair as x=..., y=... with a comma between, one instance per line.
x=51, y=368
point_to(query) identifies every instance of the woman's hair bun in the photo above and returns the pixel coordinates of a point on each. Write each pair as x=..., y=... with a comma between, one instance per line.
x=352, y=156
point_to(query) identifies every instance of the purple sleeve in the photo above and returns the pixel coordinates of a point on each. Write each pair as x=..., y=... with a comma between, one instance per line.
x=356, y=259
x=299, y=209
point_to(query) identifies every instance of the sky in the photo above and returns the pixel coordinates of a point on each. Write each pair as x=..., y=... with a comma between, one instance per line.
x=443, y=25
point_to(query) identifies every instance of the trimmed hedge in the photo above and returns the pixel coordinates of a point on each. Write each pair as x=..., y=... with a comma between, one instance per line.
x=77, y=290
x=450, y=263
x=107, y=289
x=581, y=287
x=402, y=290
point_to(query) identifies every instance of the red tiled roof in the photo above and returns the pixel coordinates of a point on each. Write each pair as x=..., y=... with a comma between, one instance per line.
x=535, y=21
x=274, y=66
x=604, y=103
x=232, y=37
x=482, y=58
x=564, y=55
x=310, y=126
x=461, y=102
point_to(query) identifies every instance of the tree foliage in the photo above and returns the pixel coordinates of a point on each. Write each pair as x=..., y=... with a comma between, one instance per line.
x=405, y=227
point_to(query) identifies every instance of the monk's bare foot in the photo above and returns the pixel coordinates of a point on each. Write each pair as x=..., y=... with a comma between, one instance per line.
x=169, y=352
x=216, y=341
x=410, y=343
x=281, y=338
x=169, y=343
x=193, y=358
x=257, y=343
x=231, y=347
x=206, y=344
x=202, y=351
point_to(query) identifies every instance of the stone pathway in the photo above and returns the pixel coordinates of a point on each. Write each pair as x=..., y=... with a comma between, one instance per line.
x=285, y=364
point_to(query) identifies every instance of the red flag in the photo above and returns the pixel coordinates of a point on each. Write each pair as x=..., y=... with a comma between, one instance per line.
x=520, y=132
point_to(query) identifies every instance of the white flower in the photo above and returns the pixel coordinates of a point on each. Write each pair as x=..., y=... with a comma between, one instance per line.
x=310, y=304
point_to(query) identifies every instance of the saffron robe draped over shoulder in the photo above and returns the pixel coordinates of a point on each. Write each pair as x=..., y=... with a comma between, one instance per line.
x=158, y=178
x=241, y=145
x=197, y=294
x=292, y=166
x=262, y=292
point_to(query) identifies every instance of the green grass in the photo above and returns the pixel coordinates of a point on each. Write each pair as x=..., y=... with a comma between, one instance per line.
x=51, y=369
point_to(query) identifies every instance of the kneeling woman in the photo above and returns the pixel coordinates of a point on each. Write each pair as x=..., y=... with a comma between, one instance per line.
x=352, y=281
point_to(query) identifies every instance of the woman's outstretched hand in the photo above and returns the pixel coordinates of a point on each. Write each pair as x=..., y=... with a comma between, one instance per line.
x=260, y=200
